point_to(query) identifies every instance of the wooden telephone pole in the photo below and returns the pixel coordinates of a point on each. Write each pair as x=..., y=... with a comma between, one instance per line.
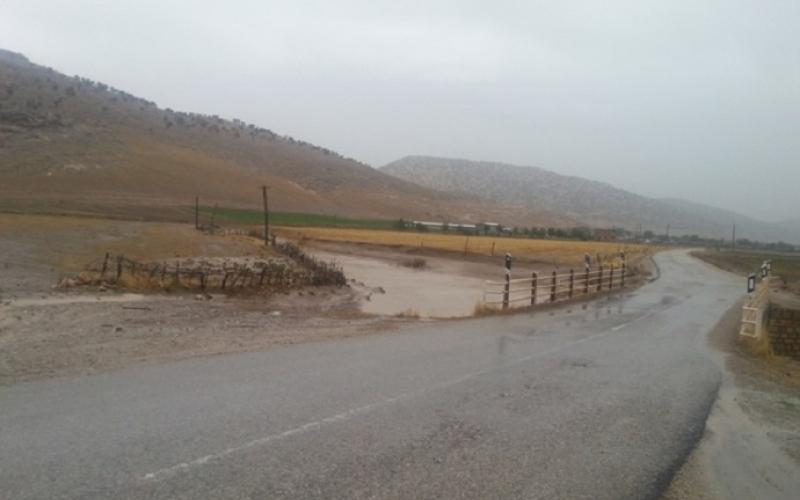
x=733, y=238
x=197, y=212
x=266, y=214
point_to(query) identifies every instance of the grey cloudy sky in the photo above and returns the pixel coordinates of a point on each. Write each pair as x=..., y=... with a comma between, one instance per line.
x=692, y=99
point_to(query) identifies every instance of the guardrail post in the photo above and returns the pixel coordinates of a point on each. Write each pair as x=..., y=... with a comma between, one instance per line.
x=553, y=287
x=507, y=290
x=534, y=285
x=622, y=277
x=586, y=282
x=571, y=282
x=600, y=279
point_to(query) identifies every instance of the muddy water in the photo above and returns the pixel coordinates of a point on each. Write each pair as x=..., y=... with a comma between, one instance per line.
x=392, y=289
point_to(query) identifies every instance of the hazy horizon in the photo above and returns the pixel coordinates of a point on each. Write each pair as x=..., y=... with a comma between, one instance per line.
x=669, y=100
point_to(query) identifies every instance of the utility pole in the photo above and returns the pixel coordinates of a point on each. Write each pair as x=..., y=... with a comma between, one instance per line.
x=667, y=232
x=733, y=238
x=266, y=214
x=197, y=212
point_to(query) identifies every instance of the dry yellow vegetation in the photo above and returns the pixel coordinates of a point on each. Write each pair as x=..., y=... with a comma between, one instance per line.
x=560, y=252
x=70, y=243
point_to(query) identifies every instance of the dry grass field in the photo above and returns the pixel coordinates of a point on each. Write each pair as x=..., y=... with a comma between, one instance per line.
x=557, y=252
x=68, y=244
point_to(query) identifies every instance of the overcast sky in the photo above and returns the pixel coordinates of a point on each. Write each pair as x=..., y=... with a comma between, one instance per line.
x=692, y=99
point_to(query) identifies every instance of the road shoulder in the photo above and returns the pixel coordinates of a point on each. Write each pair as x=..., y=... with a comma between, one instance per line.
x=751, y=445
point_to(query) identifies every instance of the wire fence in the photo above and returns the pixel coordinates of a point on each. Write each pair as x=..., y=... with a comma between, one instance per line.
x=295, y=269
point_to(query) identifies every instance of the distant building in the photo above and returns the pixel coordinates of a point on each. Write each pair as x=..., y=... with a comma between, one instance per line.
x=443, y=226
x=433, y=226
x=481, y=228
x=489, y=228
x=464, y=228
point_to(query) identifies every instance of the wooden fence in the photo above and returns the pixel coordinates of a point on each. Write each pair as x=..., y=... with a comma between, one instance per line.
x=543, y=288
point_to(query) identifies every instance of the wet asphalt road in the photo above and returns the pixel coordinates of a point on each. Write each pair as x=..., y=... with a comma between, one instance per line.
x=601, y=400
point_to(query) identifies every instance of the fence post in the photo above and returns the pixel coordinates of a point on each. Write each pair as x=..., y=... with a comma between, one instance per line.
x=266, y=214
x=571, y=282
x=553, y=286
x=622, y=277
x=611, y=277
x=586, y=282
x=600, y=279
x=534, y=285
x=119, y=266
x=105, y=266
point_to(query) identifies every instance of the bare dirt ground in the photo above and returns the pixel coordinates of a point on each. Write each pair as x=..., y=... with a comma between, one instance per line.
x=751, y=446
x=47, y=332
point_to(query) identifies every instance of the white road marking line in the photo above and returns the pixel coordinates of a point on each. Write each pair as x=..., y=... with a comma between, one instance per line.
x=348, y=414
x=623, y=325
x=644, y=316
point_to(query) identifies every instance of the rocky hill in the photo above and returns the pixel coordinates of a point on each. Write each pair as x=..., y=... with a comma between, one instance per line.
x=594, y=203
x=70, y=144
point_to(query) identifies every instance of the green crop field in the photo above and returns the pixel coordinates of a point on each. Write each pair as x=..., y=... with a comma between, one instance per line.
x=245, y=216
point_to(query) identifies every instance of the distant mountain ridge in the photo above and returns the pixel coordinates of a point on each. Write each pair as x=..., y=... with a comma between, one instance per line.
x=593, y=203
x=70, y=144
